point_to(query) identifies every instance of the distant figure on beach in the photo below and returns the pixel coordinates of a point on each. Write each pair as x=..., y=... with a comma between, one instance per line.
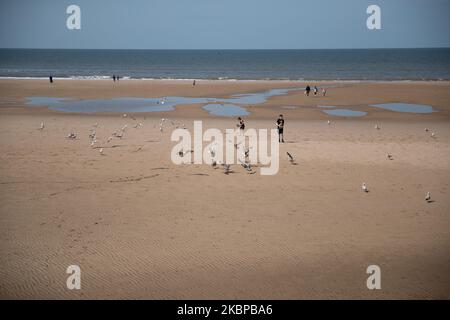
x=51, y=79
x=193, y=83
x=114, y=78
x=324, y=92
x=117, y=78
x=307, y=90
x=316, y=91
x=280, y=127
x=241, y=124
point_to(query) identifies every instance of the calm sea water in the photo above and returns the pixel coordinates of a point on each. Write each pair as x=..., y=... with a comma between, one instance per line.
x=361, y=64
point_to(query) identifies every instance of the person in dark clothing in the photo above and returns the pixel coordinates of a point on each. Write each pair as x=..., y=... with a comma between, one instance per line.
x=280, y=127
x=241, y=124
x=307, y=90
x=114, y=78
x=51, y=79
x=316, y=91
x=193, y=83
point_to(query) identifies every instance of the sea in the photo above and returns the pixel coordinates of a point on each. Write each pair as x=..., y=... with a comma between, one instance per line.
x=349, y=64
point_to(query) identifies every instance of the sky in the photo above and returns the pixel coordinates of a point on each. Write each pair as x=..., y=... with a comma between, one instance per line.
x=224, y=24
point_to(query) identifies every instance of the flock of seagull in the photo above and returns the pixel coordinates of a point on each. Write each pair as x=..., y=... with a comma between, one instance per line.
x=212, y=149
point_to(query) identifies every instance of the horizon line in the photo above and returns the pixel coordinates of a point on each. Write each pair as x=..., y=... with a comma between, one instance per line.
x=223, y=49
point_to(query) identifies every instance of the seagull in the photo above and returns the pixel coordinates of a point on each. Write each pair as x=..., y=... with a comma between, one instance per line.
x=124, y=127
x=119, y=135
x=364, y=187
x=377, y=127
x=426, y=129
x=329, y=122
x=389, y=156
x=42, y=126
x=109, y=140
x=246, y=166
x=247, y=152
x=212, y=150
x=226, y=168
x=92, y=134
x=72, y=135
x=124, y=115
x=291, y=158
x=101, y=151
x=428, y=197
x=93, y=142
x=161, y=124
x=433, y=134
x=182, y=153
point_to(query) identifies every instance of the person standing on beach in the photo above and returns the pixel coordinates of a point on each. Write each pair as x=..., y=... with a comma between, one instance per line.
x=50, y=78
x=280, y=127
x=316, y=91
x=307, y=90
x=193, y=83
x=241, y=124
x=114, y=78
x=324, y=92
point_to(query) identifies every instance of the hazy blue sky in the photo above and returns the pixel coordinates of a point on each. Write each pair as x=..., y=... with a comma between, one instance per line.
x=224, y=24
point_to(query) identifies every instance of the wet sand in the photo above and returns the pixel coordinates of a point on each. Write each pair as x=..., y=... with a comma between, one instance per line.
x=141, y=227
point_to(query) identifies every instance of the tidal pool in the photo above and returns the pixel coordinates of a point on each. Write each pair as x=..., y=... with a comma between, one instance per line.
x=129, y=104
x=405, y=107
x=226, y=110
x=345, y=113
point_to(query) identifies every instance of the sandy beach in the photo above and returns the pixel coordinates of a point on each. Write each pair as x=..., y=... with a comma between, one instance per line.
x=141, y=227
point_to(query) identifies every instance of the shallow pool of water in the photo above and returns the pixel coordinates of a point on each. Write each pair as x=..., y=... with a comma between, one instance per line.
x=226, y=110
x=345, y=113
x=405, y=107
x=126, y=104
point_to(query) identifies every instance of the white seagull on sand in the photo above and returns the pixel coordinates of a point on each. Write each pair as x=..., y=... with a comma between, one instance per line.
x=428, y=197
x=42, y=126
x=212, y=150
x=71, y=136
x=364, y=187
